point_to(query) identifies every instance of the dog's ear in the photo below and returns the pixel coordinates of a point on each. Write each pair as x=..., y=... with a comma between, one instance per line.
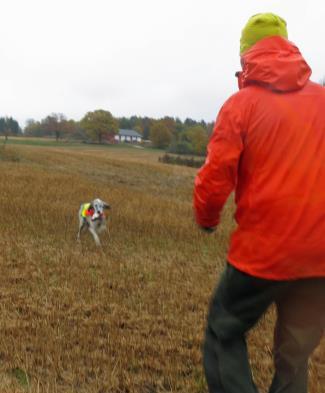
x=106, y=206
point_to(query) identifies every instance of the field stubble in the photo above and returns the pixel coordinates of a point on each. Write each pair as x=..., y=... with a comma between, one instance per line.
x=129, y=317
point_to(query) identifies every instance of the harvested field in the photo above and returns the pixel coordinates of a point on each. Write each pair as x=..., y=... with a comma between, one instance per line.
x=127, y=318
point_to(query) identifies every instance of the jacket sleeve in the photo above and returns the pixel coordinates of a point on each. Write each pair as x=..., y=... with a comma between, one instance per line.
x=218, y=176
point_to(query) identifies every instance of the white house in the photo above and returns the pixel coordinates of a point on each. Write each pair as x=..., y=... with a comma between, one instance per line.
x=129, y=136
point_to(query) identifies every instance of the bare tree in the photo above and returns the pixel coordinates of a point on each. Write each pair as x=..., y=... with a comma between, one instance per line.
x=54, y=124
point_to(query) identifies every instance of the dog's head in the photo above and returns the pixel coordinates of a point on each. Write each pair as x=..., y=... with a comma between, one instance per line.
x=98, y=206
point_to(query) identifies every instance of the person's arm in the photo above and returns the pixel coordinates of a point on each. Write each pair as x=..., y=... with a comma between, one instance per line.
x=218, y=176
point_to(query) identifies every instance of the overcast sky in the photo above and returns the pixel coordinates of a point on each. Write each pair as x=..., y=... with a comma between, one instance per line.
x=135, y=57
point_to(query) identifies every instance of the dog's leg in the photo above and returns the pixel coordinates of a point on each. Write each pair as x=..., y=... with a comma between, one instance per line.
x=95, y=236
x=81, y=226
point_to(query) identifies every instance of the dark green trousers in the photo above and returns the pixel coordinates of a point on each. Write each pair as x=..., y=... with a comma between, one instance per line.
x=238, y=303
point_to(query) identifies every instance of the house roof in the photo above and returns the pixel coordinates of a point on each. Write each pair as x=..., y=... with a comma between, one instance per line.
x=129, y=133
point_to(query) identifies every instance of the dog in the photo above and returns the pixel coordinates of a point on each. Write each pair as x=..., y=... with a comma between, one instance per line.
x=92, y=216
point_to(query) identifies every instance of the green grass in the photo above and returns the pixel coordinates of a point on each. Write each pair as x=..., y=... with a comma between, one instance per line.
x=21, y=377
x=38, y=142
x=47, y=142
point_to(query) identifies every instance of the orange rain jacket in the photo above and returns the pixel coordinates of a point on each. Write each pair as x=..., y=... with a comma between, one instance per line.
x=268, y=144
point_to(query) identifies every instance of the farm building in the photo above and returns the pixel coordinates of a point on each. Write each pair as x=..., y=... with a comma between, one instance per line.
x=129, y=136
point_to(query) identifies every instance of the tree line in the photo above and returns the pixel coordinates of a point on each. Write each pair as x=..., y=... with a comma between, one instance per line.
x=95, y=126
x=172, y=134
x=9, y=126
x=168, y=133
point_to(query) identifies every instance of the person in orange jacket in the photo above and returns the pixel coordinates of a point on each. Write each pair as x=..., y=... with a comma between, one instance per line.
x=268, y=144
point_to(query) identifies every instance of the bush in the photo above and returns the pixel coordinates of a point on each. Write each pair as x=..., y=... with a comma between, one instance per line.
x=177, y=160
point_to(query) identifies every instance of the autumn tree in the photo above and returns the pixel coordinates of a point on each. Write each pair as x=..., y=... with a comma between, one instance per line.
x=66, y=128
x=160, y=135
x=99, y=124
x=71, y=129
x=54, y=124
x=197, y=136
x=170, y=123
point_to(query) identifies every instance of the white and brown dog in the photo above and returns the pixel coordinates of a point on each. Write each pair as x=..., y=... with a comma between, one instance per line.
x=92, y=216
